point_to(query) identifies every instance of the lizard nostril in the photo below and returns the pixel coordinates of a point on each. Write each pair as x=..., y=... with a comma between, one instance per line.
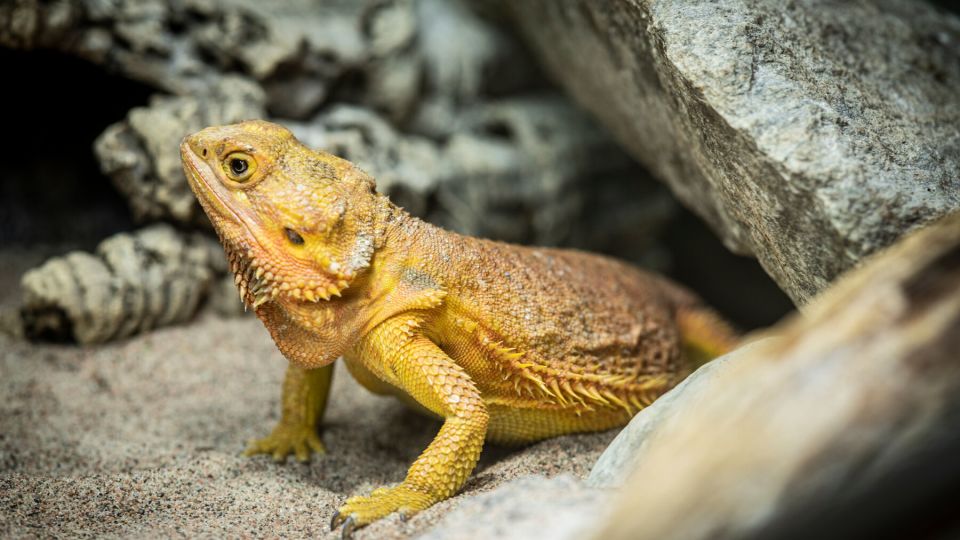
x=203, y=152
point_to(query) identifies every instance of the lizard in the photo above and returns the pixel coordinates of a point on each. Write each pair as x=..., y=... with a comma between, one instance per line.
x=504, y=343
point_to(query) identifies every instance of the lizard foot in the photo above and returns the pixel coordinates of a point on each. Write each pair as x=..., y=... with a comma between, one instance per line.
x=359, y=511
x=286, y=439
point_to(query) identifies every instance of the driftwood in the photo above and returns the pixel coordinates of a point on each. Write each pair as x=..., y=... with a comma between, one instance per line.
x=134, y=282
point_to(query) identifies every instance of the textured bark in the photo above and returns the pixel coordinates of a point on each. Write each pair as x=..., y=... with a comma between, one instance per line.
x=133, y=283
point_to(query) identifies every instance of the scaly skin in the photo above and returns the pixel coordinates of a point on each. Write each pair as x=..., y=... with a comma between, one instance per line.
x=504, y=343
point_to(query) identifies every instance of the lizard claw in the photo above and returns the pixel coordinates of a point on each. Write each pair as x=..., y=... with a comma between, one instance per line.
x=347, y=532
x=358, y=512
x=349, y=524
x=336, y=520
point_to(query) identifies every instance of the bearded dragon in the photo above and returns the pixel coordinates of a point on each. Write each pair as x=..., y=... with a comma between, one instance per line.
x=504, y=343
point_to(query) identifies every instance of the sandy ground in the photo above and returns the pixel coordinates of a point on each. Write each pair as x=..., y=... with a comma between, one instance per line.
x=143, y=438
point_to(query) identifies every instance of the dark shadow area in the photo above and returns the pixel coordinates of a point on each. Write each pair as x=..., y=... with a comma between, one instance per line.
x=736, y=286
x=52, y=191
x=915, y=499
x=952, y=6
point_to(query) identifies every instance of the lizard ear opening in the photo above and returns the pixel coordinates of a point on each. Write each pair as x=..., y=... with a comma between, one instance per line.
x=293, y=236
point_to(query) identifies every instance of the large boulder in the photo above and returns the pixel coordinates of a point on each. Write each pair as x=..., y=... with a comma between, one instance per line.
x=807, y=133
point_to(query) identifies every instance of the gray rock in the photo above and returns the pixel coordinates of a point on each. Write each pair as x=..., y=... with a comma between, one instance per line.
x=528, y=508
x=133, y=282
x=809, y=134
x=466, y=60
x=865, y=382
x=297, y=49
x=386, y=55
x=534, y=169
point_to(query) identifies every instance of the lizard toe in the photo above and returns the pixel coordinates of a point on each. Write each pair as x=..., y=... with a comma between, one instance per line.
x=382, y=502
x=286, y=439
x=347, y=532
x=336, y=520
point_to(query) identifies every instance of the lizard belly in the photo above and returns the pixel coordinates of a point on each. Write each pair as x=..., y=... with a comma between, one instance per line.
x=366, y=378
x=512, y=425
x=509, y=423
x=520, y=410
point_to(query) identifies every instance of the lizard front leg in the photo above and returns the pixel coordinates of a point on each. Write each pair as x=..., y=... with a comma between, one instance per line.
x=418, y=366
x=304, y=400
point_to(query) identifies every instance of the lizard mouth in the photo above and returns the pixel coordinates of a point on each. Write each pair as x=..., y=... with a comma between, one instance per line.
x=257, y=277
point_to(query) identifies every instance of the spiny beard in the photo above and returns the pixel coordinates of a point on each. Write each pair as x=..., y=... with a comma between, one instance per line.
x=259, y=281
x=256, y=285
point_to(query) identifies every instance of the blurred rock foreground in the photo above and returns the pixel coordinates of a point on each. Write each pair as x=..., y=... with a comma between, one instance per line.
x=803, y=434
x=809, y=136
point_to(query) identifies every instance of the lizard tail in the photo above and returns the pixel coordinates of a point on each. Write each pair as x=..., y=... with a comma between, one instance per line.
x=704, y=334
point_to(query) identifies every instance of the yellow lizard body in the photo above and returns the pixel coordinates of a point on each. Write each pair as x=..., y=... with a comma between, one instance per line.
x=503, y=342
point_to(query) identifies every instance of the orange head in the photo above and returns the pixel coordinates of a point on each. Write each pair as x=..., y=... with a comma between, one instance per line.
x=295, y=223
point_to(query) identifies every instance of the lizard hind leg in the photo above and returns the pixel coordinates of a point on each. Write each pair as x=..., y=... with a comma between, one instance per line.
x=304, y=400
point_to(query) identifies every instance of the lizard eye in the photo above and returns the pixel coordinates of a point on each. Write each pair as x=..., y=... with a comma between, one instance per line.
x=239, y=167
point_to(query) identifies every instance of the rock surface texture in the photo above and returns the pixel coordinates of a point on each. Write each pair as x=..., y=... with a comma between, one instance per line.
x=298, y=50
x=529, y=508
x=809, y=134
x=822, y=413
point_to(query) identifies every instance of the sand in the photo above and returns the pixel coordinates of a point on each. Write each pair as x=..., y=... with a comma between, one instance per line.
x=143, y=438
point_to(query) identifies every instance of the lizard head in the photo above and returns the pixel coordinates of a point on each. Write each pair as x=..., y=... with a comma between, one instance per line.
x=296, y=224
